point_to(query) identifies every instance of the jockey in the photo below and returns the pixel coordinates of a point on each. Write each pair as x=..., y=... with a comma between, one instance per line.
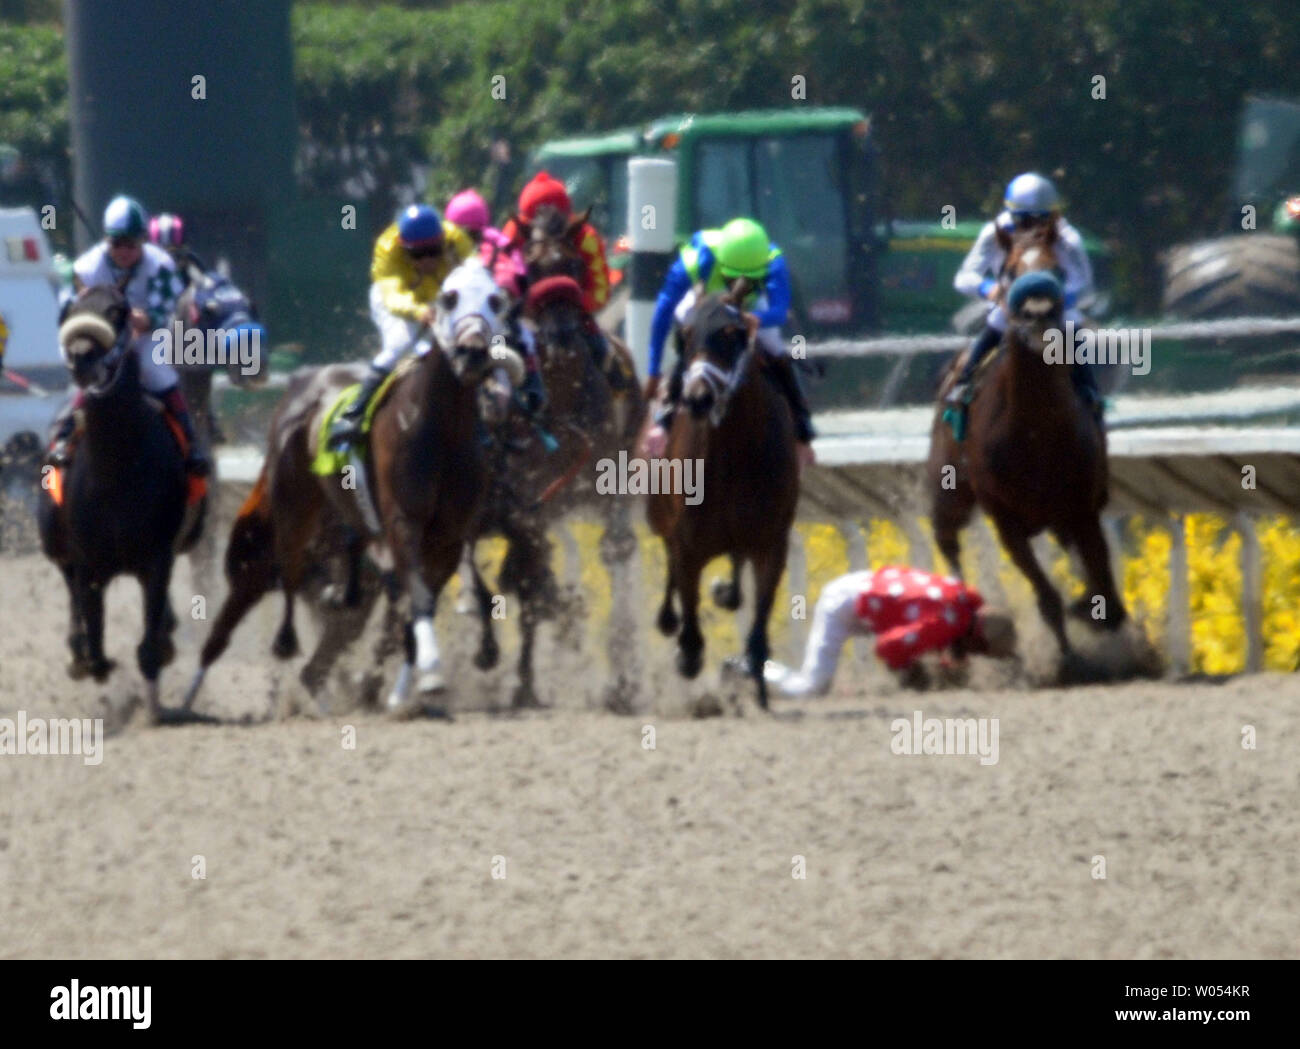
x=505, y=262
x=149, y=281
x=168, y=232
x=911, y=612
x=545, y=189
x=412, y=258
x=712, y=258
x=1030, y=200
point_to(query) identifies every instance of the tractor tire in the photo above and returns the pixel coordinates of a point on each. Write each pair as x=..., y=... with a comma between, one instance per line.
x=1252, y=274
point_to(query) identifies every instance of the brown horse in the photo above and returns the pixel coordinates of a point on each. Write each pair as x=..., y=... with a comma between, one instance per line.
x=737, y=428
x=585, y=423
x=424, y=462
x=1034, y=458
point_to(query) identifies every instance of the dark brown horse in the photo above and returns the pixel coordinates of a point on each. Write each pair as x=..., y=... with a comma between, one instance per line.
x=1034, y=458
x=424, y=463
x=739, y=430
x=119, y=508
x=585, y=423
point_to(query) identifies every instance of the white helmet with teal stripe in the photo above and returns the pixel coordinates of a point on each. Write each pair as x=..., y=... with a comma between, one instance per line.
x=1031, y=194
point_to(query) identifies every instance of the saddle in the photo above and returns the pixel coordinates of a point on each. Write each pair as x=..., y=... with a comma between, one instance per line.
x=328, y=461
x=955, y=415
x=196, y=487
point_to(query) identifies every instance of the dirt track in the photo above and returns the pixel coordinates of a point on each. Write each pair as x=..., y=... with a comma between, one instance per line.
x=313, y=850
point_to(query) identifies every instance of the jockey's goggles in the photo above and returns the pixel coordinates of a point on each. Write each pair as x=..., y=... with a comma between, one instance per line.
x=124, y=242
x=1029, y=219
x=425, y=251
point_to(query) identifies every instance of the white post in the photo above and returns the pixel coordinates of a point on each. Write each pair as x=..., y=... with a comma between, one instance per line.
x=651, y=224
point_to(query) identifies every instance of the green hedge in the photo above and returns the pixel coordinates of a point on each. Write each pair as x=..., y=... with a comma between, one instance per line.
x=962, y=95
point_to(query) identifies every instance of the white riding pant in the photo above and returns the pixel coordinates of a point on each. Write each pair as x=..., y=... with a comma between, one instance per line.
x=157, y=375
x=835, y=620
x=396, y=334
x=769, y=338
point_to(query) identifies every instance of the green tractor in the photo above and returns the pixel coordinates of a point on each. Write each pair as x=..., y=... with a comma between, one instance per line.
x=1255, y=272
x=809, y=175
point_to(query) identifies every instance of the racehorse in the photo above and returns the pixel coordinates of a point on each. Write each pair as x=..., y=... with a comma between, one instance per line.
x=215, y=307
x=120, y=506
x=424, y=461
x=739, y=427
x=585, y=422
x=1034, y=457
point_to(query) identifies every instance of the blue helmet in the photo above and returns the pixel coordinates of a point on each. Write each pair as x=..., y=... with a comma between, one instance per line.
x=1031, y=194
x=419, y=224
x=124, y=217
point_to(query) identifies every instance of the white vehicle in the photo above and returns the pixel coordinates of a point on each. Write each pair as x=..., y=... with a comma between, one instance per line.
x=29, y=324
x=29, y=349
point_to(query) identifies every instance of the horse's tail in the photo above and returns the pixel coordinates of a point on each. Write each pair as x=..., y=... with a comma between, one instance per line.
x=252, y=537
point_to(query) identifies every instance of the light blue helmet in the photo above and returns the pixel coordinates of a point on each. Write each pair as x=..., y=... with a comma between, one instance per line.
x=1031, y=194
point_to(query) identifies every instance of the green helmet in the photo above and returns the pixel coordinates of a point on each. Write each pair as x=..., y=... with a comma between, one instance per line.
x=743, y=249
x=124, y=217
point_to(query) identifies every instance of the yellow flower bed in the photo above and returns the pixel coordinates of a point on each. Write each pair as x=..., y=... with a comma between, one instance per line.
x=1218, y=635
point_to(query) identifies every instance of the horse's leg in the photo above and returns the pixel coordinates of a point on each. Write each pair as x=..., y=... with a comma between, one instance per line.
x=438, y=565
x=80, y=665
x=667, y=620
x=950, y=512
x=151, y=652
x=727, y=595
x=527, y=569
x=768, y=569
x=1049, y=601
x=690, y=642
x=341, y=627
x=91, y=601
x=488, y=651
x=617, y=547
x=1095, y=556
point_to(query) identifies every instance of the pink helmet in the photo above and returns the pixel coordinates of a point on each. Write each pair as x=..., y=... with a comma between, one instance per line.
x=468, y=210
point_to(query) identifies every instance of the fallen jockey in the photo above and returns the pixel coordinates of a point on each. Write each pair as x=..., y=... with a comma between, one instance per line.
x=712, y=258
x=909, y=611
x=1030, y=200
x=150, y=283
x=412, y=259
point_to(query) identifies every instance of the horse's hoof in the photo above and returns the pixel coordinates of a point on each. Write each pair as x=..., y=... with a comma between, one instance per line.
x=285, y=645
x=78, y=669
x=487, y=657
x=166, y=651
x=100, y=669
x=689, y=663
x=525, y=698
x=726, y=594
x=667, y=621
x=429, y=681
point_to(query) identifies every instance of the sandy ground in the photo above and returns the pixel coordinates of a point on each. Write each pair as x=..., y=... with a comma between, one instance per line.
x=609, y=848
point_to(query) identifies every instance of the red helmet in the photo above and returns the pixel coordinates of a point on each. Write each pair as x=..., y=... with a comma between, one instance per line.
x=543, y=189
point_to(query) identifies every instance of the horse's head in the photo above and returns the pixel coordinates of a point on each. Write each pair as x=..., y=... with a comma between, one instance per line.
x=551, y=243
x=718, y=346
x=555, y=306
x=92, y=328
x=1028, y=248
x=470, y=327
x=1035, y=303
x=228, y=318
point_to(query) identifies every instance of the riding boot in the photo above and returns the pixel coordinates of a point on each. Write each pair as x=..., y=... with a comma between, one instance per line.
x=532, y=392
x=196, y=462
x=664, y=417
x=62, y=431
x=988, y=338
x=603, y=355
x=1084, y=377
x=347, y=427
x=781, y=368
